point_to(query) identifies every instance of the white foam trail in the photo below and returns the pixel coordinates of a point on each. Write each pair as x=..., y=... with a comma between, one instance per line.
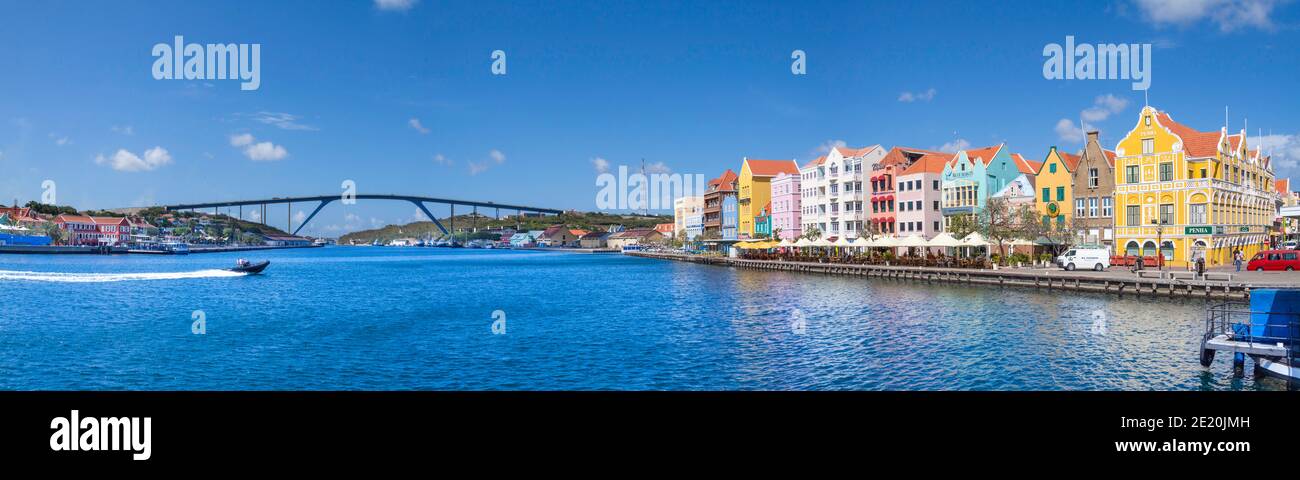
x=112, y=277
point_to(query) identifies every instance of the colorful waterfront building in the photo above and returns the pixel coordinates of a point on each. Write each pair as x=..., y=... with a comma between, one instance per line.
x=763, y=222
x=94, y=231
x=786, y=216
x=1094, y=194
x=695, y=224
x=755, y=189
x=884, y=187
x=920, y=195
x=684, y=207
x=715, y=194
x=834, y=193
x=1195, y=194
x=1054, y=183
x=971, y=176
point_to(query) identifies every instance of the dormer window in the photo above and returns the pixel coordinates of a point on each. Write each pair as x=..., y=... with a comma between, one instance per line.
x=1147, y=120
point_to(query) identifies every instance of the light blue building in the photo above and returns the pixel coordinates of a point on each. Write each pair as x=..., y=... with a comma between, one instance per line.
x=972, y=176
x=522, y=239
x=730, y=217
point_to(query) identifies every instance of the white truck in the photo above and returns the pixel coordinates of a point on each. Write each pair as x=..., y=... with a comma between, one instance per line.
x=1091, y=258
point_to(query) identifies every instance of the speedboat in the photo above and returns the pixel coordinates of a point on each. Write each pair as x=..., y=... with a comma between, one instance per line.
x=251, y=268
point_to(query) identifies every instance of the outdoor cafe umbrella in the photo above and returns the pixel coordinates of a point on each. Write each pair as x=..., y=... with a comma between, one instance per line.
x=912, y=240
x=975, y=240
x=944, y=240
x=841, y=243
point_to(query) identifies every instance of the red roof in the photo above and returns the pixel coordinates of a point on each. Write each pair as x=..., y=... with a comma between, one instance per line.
x=1195, y=143
x=1027, y=166
x=1110, y=157
x=1283, y=186
x=723, y=183
x=109, y=221
x=903, y=155
x=817, y=161
x=65, y=218
x=928, y=163
x=985, y=154
x=771, y=168
x=665, y=228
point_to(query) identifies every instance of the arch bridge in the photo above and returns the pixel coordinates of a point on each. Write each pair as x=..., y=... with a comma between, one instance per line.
x=324, y=200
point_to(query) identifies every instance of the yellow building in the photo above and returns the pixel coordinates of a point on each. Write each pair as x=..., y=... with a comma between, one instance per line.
x=755, y=189
x=1193, y=193
x=1055, y=184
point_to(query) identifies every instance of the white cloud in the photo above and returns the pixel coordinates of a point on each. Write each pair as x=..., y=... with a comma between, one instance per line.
x=953, y=146
x=124, y=161
x=265, y=152
x=494, y=157
x=1285, y=150
x=658, y=167
x=258, y=151
x=1102, y=108
x=601, y=165
x=1228, y=15
x=241, y=140
x=255, y=215
x=1067, y=131
x=909, y=97
x=376, y=223
x=826, y=146
x=415, y=123
x=125, y=130
x=281, y=120
x=300, y=216
x=59, y=140
x=441, y=160
x=351, y=218
x=395, y=5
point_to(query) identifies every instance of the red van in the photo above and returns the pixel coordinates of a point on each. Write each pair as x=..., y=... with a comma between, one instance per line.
x=1275, y=260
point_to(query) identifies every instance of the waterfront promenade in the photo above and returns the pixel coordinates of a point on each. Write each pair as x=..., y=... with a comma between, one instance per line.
x=1219, y=283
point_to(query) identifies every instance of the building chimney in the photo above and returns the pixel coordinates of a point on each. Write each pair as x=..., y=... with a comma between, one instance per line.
x=1092, y=136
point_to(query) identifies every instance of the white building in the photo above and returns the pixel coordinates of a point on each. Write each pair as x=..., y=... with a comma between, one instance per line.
x=832, y=191
x=683, y=208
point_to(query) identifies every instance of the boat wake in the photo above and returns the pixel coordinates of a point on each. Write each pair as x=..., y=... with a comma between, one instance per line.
x=112, y=277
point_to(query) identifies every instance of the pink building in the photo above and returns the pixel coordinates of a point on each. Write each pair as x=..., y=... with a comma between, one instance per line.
x=919, y=196
x=785, y=206
x=885, y=181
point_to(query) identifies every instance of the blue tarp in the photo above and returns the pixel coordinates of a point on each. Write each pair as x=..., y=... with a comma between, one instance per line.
x=27, y=240
x=1275, y=315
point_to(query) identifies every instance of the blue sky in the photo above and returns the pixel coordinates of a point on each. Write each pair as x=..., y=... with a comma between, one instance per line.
x=690, y=87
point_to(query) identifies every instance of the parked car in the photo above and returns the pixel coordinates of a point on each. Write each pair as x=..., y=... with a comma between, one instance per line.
x=1091, y=258
x=1273, y=260
x=1289, y=245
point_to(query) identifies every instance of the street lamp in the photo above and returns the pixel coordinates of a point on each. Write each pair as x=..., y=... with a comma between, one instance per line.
x=1160, y=243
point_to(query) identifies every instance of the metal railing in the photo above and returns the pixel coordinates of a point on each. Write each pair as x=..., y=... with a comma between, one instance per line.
x=1239, y=323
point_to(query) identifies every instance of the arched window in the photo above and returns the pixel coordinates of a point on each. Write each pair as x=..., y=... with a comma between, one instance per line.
x=1131, y=248
x=1149, y=249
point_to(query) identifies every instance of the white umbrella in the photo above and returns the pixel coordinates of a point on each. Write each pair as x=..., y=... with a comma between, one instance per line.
x=886, y=242
x=785, y=242
x=974, y=240
x=912, y=240
x=842, y=242
x=863, y=242
x=821, y=242
x=1020, y=242
x=944, y=240
x=803, y=242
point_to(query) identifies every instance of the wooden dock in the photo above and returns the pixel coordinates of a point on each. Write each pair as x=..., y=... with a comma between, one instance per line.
x=1124, y=282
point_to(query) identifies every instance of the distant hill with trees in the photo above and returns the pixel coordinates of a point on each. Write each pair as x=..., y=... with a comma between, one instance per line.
x=471, y=227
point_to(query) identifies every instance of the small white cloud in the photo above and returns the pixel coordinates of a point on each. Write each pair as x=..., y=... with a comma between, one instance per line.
x=258, y=151
x=497, y=156
x=255, y=215
x=265, y=152
x=440, y=159
x=124, y=161
x=285, y=121
x=1228, y=15
x=1285, y=150
x=953, y=146
x=826, y=146
x=124, y=130
x=415, y=124
x=300, y=216
x=909, y=97
x=241, y=140
x=601, y=165
x=59, y=140
x=658, y=167
x=1067, y=131
x=395, y=5
x=494, y=157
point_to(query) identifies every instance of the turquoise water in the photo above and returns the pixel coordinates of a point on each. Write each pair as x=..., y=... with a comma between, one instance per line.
x=407, y=318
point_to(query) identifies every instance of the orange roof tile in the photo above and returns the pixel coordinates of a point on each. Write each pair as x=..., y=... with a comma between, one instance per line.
x=929, y=163
x=770, y=168
x=1195, y=143
x=854, y=152
x=816, y=161
x=899, y=155
x=1110, y=157
x=1283, y=186
x=1025, y=165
